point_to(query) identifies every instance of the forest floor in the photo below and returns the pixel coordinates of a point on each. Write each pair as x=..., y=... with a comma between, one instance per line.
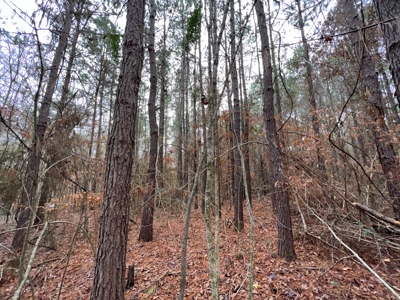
x=317, y=273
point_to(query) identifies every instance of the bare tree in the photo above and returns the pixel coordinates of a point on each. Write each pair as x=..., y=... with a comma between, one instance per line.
x=30, y=181
x=237, y=168
x=163, y=93
x=387, y=156
x=285, y=236
x=146, y=229
x=311, y=91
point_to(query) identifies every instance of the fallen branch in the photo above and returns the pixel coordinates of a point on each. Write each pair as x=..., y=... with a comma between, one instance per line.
x=156, y=281
x=331, y=267
x=363, y=263
x=377, y=215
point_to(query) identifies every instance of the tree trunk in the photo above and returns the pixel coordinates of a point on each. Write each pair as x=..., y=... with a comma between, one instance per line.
x=237, y=173
x=387, y=156
x=146, y=229
x=195, y=145
x=98, y=155
x=30, y=182
x=393, y=107
x=59, y=130
x=163, y=92
x=245, y=118
x=313, y=103
x=180, y=106
x=109, y=273
x=230, y=126
x=213, y=62
x=285, y=237
x=390, y=10
x=204, y=129
x=186, y=128
x=96, y=103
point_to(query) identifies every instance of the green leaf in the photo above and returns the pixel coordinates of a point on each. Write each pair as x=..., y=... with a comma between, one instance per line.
x=152, y=289
x=193, y=28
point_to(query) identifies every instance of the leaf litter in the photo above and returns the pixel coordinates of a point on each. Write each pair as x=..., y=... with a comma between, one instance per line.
x=317, y=273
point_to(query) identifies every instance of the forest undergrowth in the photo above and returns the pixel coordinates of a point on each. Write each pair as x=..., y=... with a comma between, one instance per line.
x=322, y=270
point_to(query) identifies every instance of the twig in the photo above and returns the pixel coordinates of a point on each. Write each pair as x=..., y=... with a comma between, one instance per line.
x=45, y=262
x=155, y=281
x=29, y=266
x=390, y=288
x=240, y=286
x=377, y=215
x=321, y=240
x=331, y=267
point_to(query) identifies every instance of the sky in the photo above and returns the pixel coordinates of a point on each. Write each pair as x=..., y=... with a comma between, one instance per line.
x=15, y=22
x=9, y=19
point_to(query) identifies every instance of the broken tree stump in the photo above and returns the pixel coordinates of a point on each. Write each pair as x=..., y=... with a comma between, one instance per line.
x=131, y=277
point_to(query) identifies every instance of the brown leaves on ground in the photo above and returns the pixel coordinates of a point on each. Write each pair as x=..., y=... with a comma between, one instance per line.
x=316, y=274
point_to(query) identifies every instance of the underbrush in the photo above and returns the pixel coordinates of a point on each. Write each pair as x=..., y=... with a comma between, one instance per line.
x=323, y=269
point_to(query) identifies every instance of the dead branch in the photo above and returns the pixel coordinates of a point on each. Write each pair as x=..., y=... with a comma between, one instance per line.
x=377, y=215
x=363, y=263
x=156, y=281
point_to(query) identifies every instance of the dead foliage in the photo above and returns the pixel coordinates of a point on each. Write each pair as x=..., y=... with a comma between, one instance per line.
x=318, y=273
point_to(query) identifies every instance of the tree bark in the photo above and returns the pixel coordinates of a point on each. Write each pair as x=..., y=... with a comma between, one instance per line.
x=180, y=107
x=146, y=229
x=163, y=92
x=237, y=173
x=246, y=116
x=109, y=273
x=390, y=10
x=195, y=145
x=285, y=237
x=387, y=156
x=204, y=129
x=390, y=100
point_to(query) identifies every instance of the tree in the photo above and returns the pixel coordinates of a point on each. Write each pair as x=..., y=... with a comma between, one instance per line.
x=285, y=236
x=237, y=168
x=214, y=44
x=65, y=120
x=245, y=112
x=146, y=229
x=388, y=13
x=163, y=94
x=311, y=91
x=387, y=156
x=30, y=182
x=109, y=273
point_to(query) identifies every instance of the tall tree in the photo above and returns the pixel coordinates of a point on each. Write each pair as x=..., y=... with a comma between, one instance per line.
x=163, y=93
x=285, y=236
x=388, y=13
x=311, y=91
x=237, y=168
x=64, y=123
x=109, y=273
x=30, y=181
x=245, y=112
x=204, y=101
x=146, y=229
x=387, y=156
x=214, y=44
